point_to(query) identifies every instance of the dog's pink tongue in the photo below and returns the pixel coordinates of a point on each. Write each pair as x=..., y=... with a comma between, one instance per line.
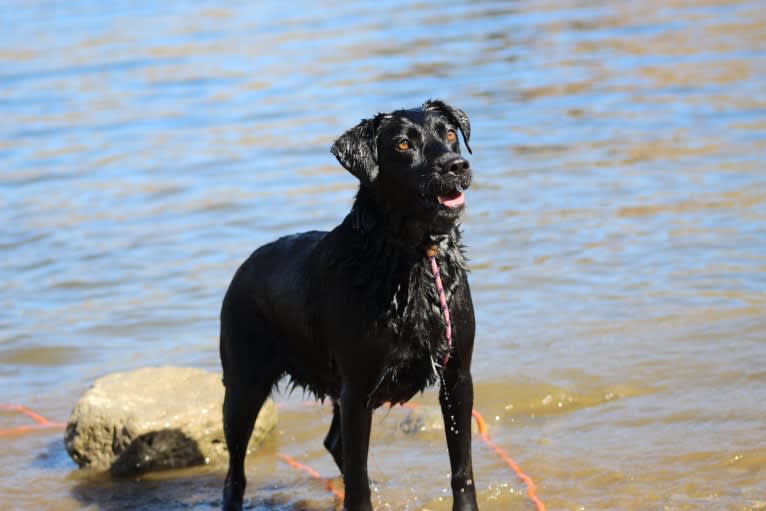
x=452, y=200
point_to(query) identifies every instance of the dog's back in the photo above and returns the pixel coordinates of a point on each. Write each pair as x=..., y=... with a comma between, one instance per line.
x=265, y=311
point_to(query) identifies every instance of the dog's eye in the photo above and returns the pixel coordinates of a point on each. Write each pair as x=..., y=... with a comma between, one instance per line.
x=451, y=136
x=403, y=145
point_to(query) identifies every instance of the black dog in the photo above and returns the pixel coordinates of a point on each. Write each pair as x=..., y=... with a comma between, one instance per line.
x=354, y=313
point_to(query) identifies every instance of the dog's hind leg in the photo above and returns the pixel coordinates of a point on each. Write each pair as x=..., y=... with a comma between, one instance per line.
x=250, y=371
x=333, y=442
x=240, y=409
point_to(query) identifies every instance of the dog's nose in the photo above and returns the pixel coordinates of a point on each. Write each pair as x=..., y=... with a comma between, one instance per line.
x=456, y=165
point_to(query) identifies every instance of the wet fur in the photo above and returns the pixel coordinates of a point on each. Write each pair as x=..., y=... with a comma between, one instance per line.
x=352, y=314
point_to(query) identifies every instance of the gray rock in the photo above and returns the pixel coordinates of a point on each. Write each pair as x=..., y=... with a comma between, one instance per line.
x=154, y=419
x=422, y=419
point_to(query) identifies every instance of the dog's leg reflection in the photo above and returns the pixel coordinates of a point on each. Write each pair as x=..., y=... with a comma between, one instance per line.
x=456, y=399
x=333, y=442
x=356, y=421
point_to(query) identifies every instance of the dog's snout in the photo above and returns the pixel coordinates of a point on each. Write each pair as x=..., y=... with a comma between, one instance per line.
x=457, y=165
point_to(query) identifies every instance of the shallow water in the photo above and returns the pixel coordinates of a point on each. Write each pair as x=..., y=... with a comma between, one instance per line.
x=616, y=231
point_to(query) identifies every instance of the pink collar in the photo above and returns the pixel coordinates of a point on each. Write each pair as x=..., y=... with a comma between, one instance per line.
x=431, y=254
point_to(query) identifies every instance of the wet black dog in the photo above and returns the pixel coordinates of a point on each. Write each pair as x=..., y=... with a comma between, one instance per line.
x=354, y=313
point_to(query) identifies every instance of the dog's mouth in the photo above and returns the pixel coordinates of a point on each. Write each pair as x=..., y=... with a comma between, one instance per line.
x=453, y=198
x=447, y=199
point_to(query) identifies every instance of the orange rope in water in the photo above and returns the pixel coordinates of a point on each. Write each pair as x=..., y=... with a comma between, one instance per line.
x=40, y=421
x=483, y=434
x=531, y=488
x=313, y=473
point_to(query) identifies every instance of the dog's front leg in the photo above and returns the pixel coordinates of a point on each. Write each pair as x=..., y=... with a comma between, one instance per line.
x=356, y=421
x=456, y=399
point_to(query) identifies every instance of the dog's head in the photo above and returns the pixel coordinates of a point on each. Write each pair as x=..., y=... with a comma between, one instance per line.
x=410, y=161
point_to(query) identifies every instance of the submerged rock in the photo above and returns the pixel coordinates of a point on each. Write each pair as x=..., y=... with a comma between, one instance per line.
x=154, y=419
x=422, y=419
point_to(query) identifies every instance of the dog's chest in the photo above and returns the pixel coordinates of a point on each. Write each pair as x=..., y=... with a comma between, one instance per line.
x=415, y=329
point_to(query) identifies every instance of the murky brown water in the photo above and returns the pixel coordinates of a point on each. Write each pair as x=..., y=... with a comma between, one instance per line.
x=616, y=231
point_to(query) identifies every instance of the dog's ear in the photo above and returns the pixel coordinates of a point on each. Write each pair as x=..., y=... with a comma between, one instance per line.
x=356, y=151
x=455, y=115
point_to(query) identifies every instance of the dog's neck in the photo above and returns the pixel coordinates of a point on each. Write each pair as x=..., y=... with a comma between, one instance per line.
x=412, y=237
